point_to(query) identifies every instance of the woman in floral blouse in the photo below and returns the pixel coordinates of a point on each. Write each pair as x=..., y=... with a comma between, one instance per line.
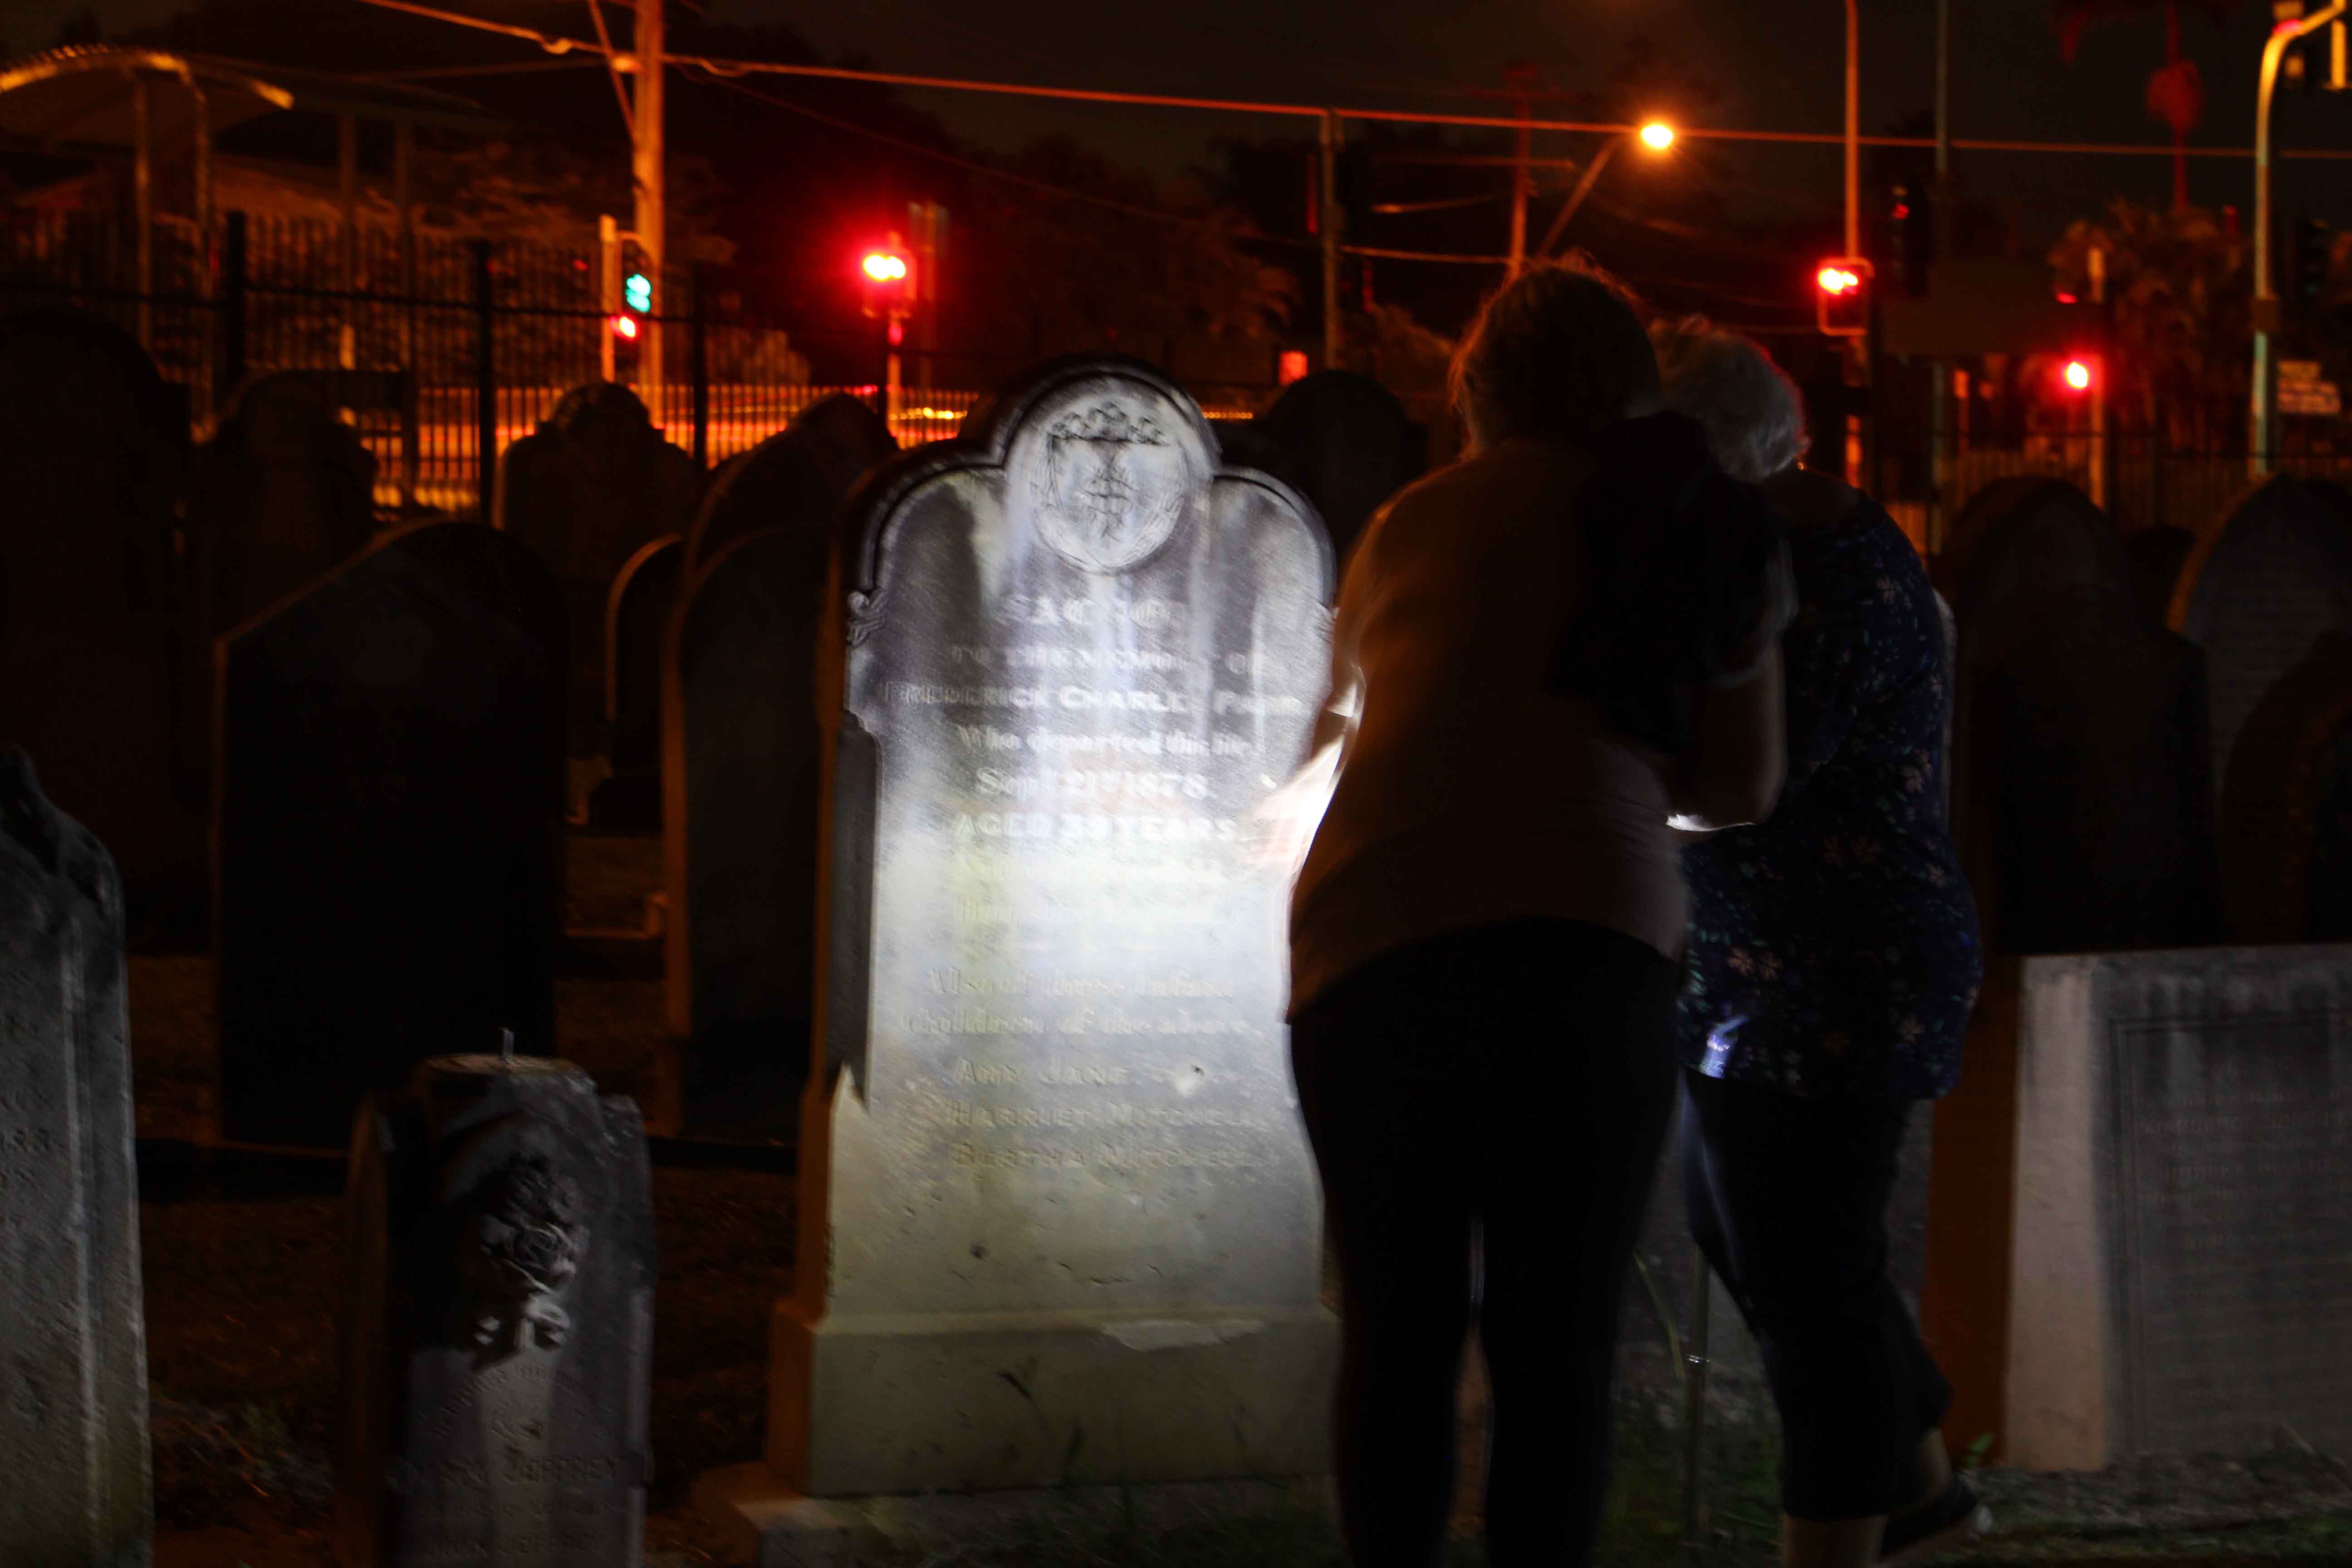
x=1832, y=964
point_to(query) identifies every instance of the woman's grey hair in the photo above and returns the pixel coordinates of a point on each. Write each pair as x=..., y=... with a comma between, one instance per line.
x=1558, y=350
x=1752, y=413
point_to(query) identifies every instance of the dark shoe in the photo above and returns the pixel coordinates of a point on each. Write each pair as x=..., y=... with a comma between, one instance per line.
x=1953, y=1520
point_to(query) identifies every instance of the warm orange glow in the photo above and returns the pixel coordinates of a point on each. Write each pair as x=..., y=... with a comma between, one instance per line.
x=1838, y=280
x=1657, y=135
x=2078, y=376
x=885, y=268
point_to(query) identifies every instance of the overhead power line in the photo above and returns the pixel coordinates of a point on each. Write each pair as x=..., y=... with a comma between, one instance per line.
x=559, y=44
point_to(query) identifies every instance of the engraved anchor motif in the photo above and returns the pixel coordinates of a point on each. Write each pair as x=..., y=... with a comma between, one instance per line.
x=1113, y=487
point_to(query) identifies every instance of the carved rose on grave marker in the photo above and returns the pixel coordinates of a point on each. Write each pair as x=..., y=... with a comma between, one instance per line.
x=530, y=1243
x=1113, y=487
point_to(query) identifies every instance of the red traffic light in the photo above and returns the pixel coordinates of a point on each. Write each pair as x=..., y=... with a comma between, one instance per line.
x=2077, y=375
x=1841, y=297
x=1835, y=280
x=885, y=267
x=887, y=276
x=624, y=327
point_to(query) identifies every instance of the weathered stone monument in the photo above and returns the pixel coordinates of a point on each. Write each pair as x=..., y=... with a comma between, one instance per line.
x=595, y=483
x=2258, y=594
x=800, y=472
x=2137, y=1232
x=1349, y=446
x=282, y=494
x=93, y=448
x=2085, y=807
x=1053, y=1160
x=388, y=821
x=741, y=784
x=497, y=1336
x=636, y=619
x=2286, y=805
x=74, y=1477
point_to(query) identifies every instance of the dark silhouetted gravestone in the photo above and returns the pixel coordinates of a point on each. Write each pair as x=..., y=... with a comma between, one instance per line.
x=388, y=821
x=1056, y=1164
x=2286, y=805
x=595, y=484
x=2085, y=812
x=497, y=1336
x=2157, y=556
x=282, y=494
x=93, y=659
x=1349, y=446
x=741, y=784
x=2277, y=576
x=74, y=1480
x=802, y=472
x=636, y=619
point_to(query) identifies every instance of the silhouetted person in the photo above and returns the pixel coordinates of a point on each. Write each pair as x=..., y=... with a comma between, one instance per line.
x=1833, y=963
x=1539, y=655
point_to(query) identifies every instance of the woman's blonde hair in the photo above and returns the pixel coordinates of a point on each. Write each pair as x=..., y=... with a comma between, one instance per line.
x=1558, y=350
x=1752, y=413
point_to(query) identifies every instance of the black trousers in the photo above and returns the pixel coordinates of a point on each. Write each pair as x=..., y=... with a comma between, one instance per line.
x=1787, y=1196
x=1502, y=1090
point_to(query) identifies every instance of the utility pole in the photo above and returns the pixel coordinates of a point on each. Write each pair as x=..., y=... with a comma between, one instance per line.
x=646, y=127
x=1334, y=345
x=1939, y=371
x=1852, y=129
x=1521, y=76
x=2266, y=300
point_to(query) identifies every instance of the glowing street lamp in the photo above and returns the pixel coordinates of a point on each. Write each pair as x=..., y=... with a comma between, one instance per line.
x=1657, y=135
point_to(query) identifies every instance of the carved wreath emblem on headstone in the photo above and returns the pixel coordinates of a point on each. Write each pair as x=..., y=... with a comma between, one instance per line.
x=1113, y=487
x=529, y=1242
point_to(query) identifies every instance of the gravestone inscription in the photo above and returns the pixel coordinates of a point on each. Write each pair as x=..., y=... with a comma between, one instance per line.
x=741, y=778
x=1054, y=1159
x=388, y=822
x=497, y=1340
x=592, y=485
x=74, y=1478
x=636, y=619
x=2258, y=596
x=94, y=656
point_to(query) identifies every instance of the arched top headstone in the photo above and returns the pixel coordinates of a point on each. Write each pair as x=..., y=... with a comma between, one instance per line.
x=1349, y=446
x=2259, y=592
x=1092, y=465
x=792, y=480
x=853, y=435
x=2025, y=537
x=283, y=491
x=597, y=410
x=2284, y=802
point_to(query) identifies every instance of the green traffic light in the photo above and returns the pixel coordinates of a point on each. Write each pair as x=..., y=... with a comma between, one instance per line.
x=638, y=291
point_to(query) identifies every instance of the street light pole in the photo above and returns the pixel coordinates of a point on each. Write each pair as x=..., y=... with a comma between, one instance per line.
x=1852, y=129
x=645, y=123
x=2267, y=301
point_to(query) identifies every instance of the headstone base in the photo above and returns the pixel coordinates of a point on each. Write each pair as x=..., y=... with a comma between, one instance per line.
x=762, y=1523
x=985, y=1401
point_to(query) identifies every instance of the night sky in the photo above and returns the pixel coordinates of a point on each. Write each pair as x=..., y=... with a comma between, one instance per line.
x=1778, y=64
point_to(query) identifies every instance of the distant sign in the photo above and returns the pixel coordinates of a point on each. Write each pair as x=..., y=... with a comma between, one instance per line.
x=2300, y=390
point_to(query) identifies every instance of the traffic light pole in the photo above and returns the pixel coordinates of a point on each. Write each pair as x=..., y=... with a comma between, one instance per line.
x=645, y=124
x=1334, y=346
x=2266, y=313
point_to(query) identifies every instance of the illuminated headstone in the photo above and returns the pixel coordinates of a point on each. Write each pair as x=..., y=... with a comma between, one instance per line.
x=1058, y=1221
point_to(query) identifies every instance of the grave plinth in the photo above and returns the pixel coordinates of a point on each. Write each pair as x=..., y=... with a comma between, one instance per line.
x=74, y=1471
x=1059, y=1215
x=2136, y=1238
x=498, y=1342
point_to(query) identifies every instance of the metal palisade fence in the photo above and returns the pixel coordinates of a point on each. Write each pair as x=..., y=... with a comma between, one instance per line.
x=446, y=347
